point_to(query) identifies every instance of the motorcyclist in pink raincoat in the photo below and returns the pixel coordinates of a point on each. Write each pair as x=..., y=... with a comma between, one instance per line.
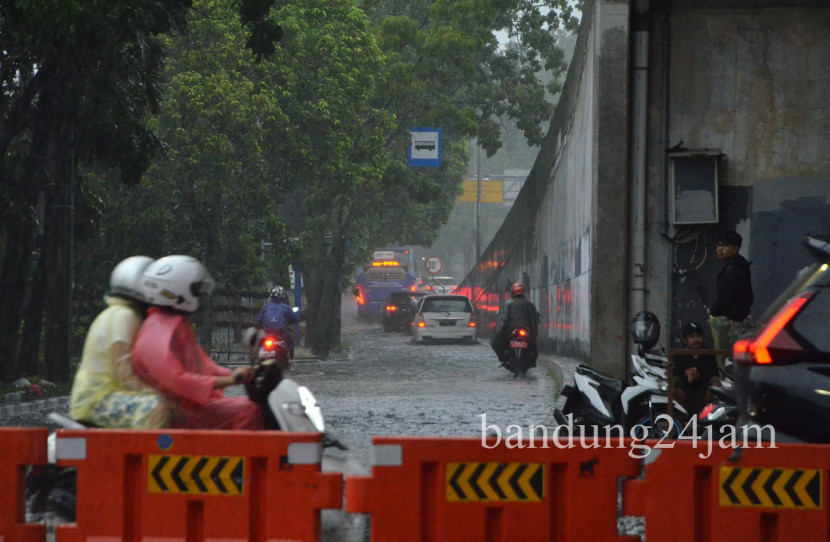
x=167, y=356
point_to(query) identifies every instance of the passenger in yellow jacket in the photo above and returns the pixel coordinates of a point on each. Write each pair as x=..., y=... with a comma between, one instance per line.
x=106, y=392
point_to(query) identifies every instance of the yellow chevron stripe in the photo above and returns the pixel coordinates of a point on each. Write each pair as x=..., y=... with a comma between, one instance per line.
x=504, y=482
x=801, y=489
x=187, y=474
x=485, y=487
x=780, y=492
x=227, y=479
x=758, y=487
x=524, y=482
x=206, y=479
x=738, y=490
x=467, y=490
x=464, y=482
x=186, y=466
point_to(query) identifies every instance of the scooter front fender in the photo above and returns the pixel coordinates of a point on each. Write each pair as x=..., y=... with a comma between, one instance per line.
x=591, y=396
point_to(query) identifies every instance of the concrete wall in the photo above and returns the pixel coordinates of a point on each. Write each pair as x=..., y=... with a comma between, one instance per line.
x=747, y=78
x=565, y=234
x=750, y=79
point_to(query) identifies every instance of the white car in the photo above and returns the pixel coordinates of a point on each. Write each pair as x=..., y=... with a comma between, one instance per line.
x=441, y=285
x=444, y=317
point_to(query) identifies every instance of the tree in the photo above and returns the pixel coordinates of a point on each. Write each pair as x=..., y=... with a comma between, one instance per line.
x=326, y=69
x=214, y=192
x=442, y=67
x=79, y=80
x=61, y=65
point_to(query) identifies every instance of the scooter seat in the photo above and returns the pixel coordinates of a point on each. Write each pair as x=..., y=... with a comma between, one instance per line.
x=607, y=381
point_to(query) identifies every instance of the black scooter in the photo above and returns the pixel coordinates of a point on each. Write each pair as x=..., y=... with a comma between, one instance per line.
x=518, y=359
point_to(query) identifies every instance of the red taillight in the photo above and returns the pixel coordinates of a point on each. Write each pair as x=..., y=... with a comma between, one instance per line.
x=706, y=411
x=421, y=322
x=412, y=288
x=772, y=336
x=269, y=343
x=522, y=333
x=391, y=308
x=472, y=323
x=360, y=299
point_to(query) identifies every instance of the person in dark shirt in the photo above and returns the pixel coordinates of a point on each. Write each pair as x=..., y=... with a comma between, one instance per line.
x=694, y=374
x=734, y=296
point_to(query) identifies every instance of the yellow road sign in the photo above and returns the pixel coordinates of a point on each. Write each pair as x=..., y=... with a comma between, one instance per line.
x=491, y=192
x=770, y=488
x=199, y=475
x=495, y=482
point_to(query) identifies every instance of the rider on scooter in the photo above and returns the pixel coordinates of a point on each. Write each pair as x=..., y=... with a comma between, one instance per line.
x=277, y=317
x=105, y=391
x=518, y=312
x=167, y=356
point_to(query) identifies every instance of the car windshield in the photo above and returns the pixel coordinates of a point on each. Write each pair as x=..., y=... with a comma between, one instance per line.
x=446, y=305
x=803, y=279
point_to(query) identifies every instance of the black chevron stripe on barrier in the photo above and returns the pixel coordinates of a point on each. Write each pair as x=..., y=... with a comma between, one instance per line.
x=771, y=487
x=199, y=475
x=494, y=482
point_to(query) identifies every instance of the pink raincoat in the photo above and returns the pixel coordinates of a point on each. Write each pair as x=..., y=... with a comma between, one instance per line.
x=167, y=356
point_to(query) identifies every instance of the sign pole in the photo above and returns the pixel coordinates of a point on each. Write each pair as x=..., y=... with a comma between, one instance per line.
x=478, y=201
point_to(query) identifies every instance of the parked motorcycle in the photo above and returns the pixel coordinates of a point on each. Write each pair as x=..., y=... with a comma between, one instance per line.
x=723, y=411
x=640, y=408
x=518, y=355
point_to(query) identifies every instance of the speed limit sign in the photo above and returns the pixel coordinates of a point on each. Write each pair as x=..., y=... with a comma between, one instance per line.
x=434, y=265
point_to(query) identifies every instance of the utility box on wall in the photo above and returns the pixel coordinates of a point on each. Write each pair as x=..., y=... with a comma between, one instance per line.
x=693, y=186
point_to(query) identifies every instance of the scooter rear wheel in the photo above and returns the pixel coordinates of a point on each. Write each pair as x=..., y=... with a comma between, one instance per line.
x=661, y=427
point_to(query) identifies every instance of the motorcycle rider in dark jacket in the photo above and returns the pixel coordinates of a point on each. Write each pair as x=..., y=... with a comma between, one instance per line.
x=518, y=312
x=277, y=317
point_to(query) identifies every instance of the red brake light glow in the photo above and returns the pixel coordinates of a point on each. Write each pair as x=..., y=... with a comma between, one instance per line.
x=269, y=343
x=391, y=308
x=522, y=333
x=756, y=350
x=421, y=322
x=706, y=411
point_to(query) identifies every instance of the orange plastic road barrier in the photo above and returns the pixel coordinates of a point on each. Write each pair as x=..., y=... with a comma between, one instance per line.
x=452, y=489
x=188, y=485
x=757, y=494
x=19, y=447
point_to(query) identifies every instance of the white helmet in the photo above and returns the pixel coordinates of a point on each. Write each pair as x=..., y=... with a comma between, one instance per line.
x=125, y=280
x=177, y=282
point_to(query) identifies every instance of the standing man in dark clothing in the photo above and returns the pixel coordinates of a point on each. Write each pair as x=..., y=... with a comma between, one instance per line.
x=733, y=296
x=694, y=374
x=517, y=312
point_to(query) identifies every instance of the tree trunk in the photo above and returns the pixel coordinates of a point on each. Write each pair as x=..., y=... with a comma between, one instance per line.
x=58, y=233
x=324, y=321
x=18, y=244
x=28, y=354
